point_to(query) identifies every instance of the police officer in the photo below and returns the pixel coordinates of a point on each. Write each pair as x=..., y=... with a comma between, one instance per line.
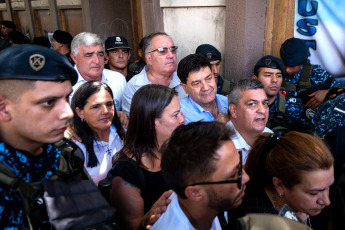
x=311, y=81
x=285, y=112
x=35, y=83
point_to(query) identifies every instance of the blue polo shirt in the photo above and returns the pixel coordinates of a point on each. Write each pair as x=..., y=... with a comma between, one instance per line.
x=194, y=112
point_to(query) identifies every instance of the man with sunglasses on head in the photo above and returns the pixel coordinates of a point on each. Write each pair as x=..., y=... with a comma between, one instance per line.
x=160, y=54
x=200, y=163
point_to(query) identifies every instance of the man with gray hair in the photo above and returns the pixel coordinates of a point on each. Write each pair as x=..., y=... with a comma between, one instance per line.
x=248, y=110
x=88, y=55
x=160, y=54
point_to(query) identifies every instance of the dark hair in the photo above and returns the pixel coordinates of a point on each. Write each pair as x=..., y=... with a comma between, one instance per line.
x=42, y=41
x=189, y=64
x=147, y=40
x=241, y=86
x=286, y=157
x=79, y=99
x=18, y=38
x=148, y=103
x=188, y=155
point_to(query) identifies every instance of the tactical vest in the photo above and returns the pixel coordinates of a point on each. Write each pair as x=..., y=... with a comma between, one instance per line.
x=71, y=169
x=277, y=120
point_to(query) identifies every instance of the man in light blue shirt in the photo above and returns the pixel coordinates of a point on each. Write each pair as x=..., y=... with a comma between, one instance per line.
x=202, y=103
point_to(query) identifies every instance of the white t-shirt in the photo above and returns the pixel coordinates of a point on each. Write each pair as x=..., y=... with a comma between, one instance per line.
x=115, y=80
x=104, y=152
x=174, y=218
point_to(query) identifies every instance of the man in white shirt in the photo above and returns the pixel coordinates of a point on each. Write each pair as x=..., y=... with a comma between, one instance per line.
x=88, y=55
x=202, y=166
x=248, y=109
x=160, y=55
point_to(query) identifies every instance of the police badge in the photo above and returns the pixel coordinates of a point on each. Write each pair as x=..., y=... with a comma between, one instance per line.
x=37, y=61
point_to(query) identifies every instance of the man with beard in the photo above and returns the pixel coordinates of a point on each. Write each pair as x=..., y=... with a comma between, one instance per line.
x=202, y=166
x=202, y=103
x=160, y=55
x=248, y=110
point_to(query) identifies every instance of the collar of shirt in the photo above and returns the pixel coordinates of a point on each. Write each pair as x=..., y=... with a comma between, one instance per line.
x=143, y=79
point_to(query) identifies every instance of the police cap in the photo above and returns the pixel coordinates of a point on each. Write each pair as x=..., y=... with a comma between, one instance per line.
x=33, y=62
x=62, y=37
x=116, y=42
x=209, y=51
x=294, y=52
x=270, y=61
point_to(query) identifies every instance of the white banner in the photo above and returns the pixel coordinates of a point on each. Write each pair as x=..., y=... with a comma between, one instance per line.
x=321, y=23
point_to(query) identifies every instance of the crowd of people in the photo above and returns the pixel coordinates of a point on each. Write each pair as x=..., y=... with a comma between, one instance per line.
x=169, y=145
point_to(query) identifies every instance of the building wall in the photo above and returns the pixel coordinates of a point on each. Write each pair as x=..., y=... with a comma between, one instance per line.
x=192, y=23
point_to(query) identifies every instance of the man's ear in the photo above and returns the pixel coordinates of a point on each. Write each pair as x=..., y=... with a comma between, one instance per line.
x=5, y=114
x=184, y=86
x=148, y=59
x=233, y=111
x=193, y=193
x=74, y=57
x=255, y=77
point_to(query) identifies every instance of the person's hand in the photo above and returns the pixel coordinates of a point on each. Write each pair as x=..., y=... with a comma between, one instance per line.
x=316, y=99
x=222, y=117
x=70, y=134
x=157, y=209
x=123, y=118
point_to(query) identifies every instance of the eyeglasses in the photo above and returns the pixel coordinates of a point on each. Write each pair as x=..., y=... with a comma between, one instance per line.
x=238, y=180
x=164, y=50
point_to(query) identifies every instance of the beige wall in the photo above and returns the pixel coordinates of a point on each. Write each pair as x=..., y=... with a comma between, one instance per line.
x=192, y=23
x=245, y=33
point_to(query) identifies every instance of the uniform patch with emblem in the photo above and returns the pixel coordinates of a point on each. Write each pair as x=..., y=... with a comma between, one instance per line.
x=292, y=100
x=268, y=61
x=209, y=55
x=37, y=61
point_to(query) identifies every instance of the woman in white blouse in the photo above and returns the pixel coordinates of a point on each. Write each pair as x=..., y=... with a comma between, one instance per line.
x=96, y=123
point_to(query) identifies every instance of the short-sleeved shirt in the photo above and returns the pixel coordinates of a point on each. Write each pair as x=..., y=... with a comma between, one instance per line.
x=194, y=112
x=140, y=80
x=151, y=184
x=115, y=80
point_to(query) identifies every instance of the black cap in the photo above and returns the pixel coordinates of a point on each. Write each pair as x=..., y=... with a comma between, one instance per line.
x=62, y=37
x=209, y=51
x=294, y=51
x=270, y=61
x=8, y=24
x=33, y=62
x=116, y=42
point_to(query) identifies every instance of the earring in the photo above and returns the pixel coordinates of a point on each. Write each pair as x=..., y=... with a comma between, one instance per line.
x=280, y=195
x=82, y=120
